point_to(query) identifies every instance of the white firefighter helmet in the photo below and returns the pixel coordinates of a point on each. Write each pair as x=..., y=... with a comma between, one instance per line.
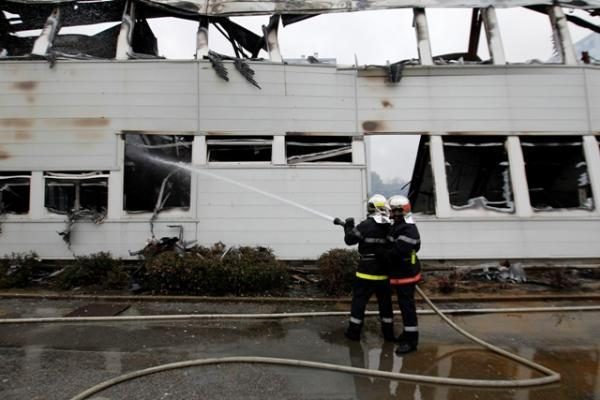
x=377, y=209
x=401, y=204
x=377, y=204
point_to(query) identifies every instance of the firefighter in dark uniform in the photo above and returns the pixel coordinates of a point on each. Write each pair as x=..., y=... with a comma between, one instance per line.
x=371, y=277
x=404, y=268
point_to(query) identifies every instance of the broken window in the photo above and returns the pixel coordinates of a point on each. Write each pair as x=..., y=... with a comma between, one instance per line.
x=539, y=36
x=421, y=192
x=585, y=40
x=239, y=148
x=477, y=173
x=556, y=173
x=78, y=30
x=68, y=192
x=14, y=192
x=315, y=34
x=301, y=148
x=11, y=42
x=150, y=184
x=456, y=36
x=82, y=30
x=391, y=159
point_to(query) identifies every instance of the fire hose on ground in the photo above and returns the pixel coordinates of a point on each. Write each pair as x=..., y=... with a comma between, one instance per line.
x=549, y=376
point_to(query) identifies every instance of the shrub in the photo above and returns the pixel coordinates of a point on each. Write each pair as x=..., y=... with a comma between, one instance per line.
x=17, y=269
x=99, y=270
x=255, y=270
x=173, y=273
x=337, y=268
x=204, y=271
x=449, y=283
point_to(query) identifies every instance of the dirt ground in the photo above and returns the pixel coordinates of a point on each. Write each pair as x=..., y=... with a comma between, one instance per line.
x=491, y=279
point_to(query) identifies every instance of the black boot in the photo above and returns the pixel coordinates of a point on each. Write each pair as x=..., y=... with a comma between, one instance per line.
x=353, y=331
x=400, y=338
x=408, y=342
x=387, y=329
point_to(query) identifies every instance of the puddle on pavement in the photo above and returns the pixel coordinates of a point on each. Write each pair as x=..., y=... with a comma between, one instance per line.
x=34, y=357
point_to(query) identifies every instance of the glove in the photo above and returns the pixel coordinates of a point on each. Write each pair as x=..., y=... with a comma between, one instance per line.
x=349, y=223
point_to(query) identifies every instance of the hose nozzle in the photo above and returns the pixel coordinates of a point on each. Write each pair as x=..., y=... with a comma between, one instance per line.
x=338, y=221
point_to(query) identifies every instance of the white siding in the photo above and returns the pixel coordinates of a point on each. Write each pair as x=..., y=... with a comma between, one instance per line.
x=68, y=118
x=86, y=238
x=593, y=93
x=233, y=215
x=226, y=213
x=476, y=99
x=291, y=99
x=509, y=239
x=72, y=112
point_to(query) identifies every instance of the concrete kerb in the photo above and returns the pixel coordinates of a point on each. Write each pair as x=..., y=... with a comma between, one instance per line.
x=463, y=298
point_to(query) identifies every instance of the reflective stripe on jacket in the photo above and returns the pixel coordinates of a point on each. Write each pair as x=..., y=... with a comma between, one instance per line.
x=371, y=238
x=403, y=265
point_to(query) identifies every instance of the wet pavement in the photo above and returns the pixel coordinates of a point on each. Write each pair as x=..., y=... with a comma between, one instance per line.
x=57, y=361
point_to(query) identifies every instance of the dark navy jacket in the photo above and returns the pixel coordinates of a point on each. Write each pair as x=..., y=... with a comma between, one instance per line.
x=371, y=239
x=400, y=256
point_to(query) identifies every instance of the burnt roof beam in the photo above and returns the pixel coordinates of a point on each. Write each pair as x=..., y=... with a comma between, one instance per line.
x=124, y=41
x=202, y=39
x=44, y=42
x=572, y=18
x=494, y=38
x=270, y=33
x=422, y=32
x=476, y=22
x=561, y=31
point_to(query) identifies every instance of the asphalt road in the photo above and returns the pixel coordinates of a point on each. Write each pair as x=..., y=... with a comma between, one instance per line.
x=57, y=361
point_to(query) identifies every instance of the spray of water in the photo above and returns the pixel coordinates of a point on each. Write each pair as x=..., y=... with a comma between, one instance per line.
x=203, y=171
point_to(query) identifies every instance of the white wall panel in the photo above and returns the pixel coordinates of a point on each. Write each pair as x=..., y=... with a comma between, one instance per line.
x=295, y=99
x=68, y=118
x=509, y=239
x=117, y=237
x=236, y=215
x=593, y=94
x=543, y=99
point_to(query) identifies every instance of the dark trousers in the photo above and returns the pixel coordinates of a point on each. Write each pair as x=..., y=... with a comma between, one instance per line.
x=363, y=289
x=406, y=301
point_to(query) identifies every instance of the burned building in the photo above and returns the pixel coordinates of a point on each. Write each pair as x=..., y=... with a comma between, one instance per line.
x=93, y=129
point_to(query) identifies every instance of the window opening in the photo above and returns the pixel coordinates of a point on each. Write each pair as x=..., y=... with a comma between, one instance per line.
x=67, y=192
x=542, y=45
x=391, y=160
x=421, y=191
x=239, y=148
x=477, y=173
x=585, y=40
x=149, y=185
x=457, y=36
x=301, y=148
x=556, y=172
x=331, y=38
x=14, y=192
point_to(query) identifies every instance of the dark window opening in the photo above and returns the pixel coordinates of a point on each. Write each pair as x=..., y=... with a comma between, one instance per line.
x=300, y=148
x=421, y=192
x=67, y=192
x=556, y=173
x=477, y=173
x=239, y=148
x=150, y=184
x=14, y=192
